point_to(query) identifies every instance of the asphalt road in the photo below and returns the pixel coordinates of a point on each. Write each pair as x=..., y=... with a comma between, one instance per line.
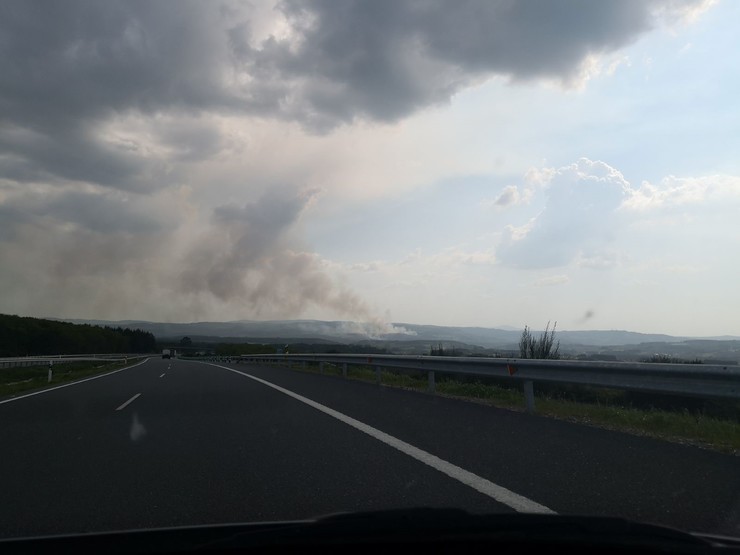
x=170, y=443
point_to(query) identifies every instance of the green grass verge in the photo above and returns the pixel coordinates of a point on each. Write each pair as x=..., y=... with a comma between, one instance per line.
x=605, y=412
x=696, y=429
x=14, y=381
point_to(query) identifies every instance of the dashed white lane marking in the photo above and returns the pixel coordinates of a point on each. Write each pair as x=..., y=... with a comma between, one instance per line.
x=127, y=403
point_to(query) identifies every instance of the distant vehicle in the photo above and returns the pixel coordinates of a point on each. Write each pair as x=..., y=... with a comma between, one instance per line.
x=166, y=353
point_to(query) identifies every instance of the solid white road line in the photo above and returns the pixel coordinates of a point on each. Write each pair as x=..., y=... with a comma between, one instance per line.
x=162, y=376
x=127, y=403
x=486, y=487
x=72, y=383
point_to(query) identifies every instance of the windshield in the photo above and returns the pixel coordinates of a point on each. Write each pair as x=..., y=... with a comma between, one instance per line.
x=275, y=260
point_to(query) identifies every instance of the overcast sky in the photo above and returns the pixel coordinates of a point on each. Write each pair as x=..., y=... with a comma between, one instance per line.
x=437, y=162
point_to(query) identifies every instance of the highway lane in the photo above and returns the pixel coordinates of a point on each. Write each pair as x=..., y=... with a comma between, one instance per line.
x=201, y=444
x=568, y=467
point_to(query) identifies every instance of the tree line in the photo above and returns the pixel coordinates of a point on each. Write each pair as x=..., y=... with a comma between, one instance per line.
x=24, y=336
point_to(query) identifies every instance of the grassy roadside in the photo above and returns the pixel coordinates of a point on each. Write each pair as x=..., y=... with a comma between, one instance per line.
x=14, y=381
x=605, y=411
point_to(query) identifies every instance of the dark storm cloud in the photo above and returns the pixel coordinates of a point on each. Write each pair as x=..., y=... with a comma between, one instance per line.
x=68, y=66
x=103, y=213
x=73, y=153
x=72, y=60
x=384, y=59
x=190, y=141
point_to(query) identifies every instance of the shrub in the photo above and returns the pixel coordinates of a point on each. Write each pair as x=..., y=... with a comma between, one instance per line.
x=542, y=347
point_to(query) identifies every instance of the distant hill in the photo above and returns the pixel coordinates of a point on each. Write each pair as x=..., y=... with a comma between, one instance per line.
x=613, y=337
x=343, y=331
x=417, y=339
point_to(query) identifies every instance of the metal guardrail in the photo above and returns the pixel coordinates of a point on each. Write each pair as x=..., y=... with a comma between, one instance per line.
x=7, y=362
x=698, y=380
x=53, y=360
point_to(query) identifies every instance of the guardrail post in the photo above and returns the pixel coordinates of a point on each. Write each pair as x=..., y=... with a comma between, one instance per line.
x=529, y=395
x=344, y=370
x=321, y=367
x=50, y=373
x=378, y=378
x=431, y=385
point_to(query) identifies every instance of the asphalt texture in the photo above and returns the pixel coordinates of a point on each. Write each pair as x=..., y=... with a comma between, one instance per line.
x=204, y=445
